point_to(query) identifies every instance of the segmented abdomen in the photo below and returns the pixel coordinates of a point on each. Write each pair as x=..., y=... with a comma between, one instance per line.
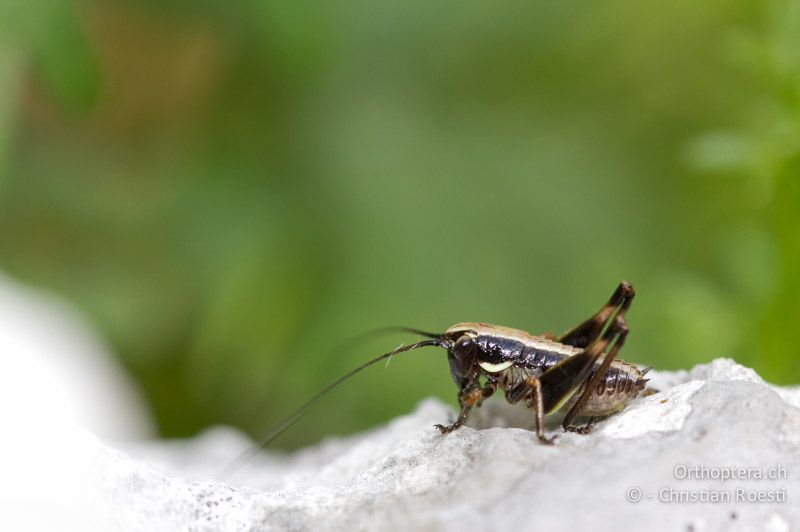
x=622, y=382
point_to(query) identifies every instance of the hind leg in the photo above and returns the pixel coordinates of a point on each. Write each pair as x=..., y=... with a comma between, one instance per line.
x=620, y=331
x=586, y=429
x=589, y=331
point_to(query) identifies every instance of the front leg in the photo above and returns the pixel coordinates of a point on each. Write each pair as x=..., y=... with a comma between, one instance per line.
x=468, y=398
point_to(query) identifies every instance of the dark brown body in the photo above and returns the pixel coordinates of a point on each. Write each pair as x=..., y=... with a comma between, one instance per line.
x=577, y=373
x=523, y=355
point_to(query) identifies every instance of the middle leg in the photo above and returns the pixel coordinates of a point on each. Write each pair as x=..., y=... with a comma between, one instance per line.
x=530, y=389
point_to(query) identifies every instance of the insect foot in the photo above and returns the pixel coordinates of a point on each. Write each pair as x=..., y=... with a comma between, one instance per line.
x=446, y=430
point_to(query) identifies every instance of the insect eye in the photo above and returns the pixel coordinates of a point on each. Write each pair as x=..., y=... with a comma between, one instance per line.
x=461, y=358
x=464, y=349
x=465, y=343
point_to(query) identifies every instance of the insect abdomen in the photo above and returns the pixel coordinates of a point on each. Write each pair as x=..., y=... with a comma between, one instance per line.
x=622, y=382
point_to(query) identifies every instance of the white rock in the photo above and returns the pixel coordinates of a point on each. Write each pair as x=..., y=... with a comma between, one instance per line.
x=663, y=412
x=55, y=372
x=406, y=476
x=56, y=378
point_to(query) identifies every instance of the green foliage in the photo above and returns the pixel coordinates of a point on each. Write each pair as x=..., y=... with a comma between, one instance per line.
x=759, y=160
x=232, y=191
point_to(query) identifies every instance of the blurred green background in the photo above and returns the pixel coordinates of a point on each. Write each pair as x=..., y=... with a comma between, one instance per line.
x=231, y=191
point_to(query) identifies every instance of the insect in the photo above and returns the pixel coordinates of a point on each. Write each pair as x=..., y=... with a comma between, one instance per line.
x=577, y=373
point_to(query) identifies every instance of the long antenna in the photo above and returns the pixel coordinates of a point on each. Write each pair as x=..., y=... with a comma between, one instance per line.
x=373, y=334
x=248, y=455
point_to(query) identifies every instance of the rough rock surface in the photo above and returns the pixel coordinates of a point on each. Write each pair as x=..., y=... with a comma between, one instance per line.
x=405, y=475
